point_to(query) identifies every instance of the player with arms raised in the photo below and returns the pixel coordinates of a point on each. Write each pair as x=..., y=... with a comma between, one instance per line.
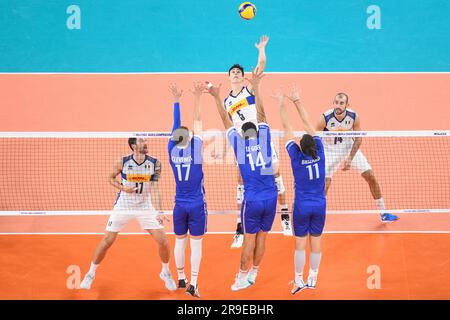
x=190, y=213
x=252, y=149
x=308, y=168
x=241, y=108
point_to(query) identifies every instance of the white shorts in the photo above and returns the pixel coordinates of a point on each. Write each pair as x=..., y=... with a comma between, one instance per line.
x=334, y=155
x=144, y=213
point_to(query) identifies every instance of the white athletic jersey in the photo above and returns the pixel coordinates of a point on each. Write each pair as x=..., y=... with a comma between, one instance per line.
x=138, y=175
x=333, y=124
x=241, y=108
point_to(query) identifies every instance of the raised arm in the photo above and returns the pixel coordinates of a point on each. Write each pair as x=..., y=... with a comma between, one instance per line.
x=278, y=95
x=215, y=92
x=176, y=106
x=199, y=88
x=261, y=66
x=294, y=96
x=255, y=81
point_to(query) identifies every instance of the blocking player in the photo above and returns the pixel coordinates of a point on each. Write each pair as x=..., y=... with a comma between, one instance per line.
x=308, y=168
x=190, y=213
x=253, y=153
x=240, y=106
x=340, y=149
x=140, y=174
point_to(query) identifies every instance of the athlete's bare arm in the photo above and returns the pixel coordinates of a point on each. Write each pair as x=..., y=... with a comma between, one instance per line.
x=199, y=88
x=255, y=81
x=215, y=92
x=294, y=96
x=117, y=169
x=278, y=95
x=356, y=145
x=261, y=66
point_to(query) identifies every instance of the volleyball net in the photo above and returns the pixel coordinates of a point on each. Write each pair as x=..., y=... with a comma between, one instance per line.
x=67, y=173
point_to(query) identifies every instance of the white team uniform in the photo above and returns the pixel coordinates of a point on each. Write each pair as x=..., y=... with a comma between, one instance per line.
x=136, y=205
x=242, y=108
x=337, y=149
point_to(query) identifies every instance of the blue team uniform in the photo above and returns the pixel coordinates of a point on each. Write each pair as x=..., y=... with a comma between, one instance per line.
x=190, y=212
x=254, y=157
x=309, y=178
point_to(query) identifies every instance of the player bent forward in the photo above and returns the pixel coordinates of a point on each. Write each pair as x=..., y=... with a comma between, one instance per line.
x=140, y=174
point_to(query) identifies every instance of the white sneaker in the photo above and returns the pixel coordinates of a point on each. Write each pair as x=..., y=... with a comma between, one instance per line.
x=87, y=281
x=168, y=281
x=240, y=283
x=312, y=279
x=286, y=227
x=298, y=286
x=251, y=277
x=238, y=240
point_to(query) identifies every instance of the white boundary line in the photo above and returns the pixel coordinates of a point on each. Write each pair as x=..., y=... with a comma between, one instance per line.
x=211, y=212
x=226, y=232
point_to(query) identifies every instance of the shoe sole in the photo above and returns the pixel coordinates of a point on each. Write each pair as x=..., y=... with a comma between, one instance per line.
x=298, y=290
x=241, y=288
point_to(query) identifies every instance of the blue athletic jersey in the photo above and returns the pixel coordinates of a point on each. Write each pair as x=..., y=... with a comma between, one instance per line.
x=187, y=167
x=309, y=174
x=254, y=157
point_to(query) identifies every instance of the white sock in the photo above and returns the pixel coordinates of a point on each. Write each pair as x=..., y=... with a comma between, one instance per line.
x=255, y=269
x=196, y=258
x=93, y=268
x=165, y=267
x=299, y=263
x=238, y=220
x=180, y=246
x=314, y=261
x=243, y=274
x=284, y=207
x=380, y=204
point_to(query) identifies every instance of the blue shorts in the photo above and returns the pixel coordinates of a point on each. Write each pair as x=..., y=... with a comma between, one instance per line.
x=309, y=217
x=258, y=215
x=190, y=216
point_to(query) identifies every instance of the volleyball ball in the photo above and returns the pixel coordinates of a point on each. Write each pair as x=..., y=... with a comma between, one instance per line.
x=247, y=10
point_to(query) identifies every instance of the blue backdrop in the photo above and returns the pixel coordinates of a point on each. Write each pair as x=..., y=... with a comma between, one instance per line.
x=201, y=35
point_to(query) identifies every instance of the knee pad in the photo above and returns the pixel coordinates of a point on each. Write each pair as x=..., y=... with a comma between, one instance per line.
x=280, y=185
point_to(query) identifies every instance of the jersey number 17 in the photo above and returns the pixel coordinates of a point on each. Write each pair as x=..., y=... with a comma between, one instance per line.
x=179, y=171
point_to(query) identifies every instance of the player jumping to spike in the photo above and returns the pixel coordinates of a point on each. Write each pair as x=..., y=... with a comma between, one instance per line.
x=241, y=108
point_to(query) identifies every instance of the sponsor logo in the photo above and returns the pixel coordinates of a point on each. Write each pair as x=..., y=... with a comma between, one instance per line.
x=238, y=106
x=138, y=177
x=440, y=133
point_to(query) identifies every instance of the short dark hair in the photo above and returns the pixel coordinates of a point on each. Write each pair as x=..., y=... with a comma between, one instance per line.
x=246, y=127
x=132, y=141
x=343, y=94
x=238, y=66
x=308, y=145
x=179, y=138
